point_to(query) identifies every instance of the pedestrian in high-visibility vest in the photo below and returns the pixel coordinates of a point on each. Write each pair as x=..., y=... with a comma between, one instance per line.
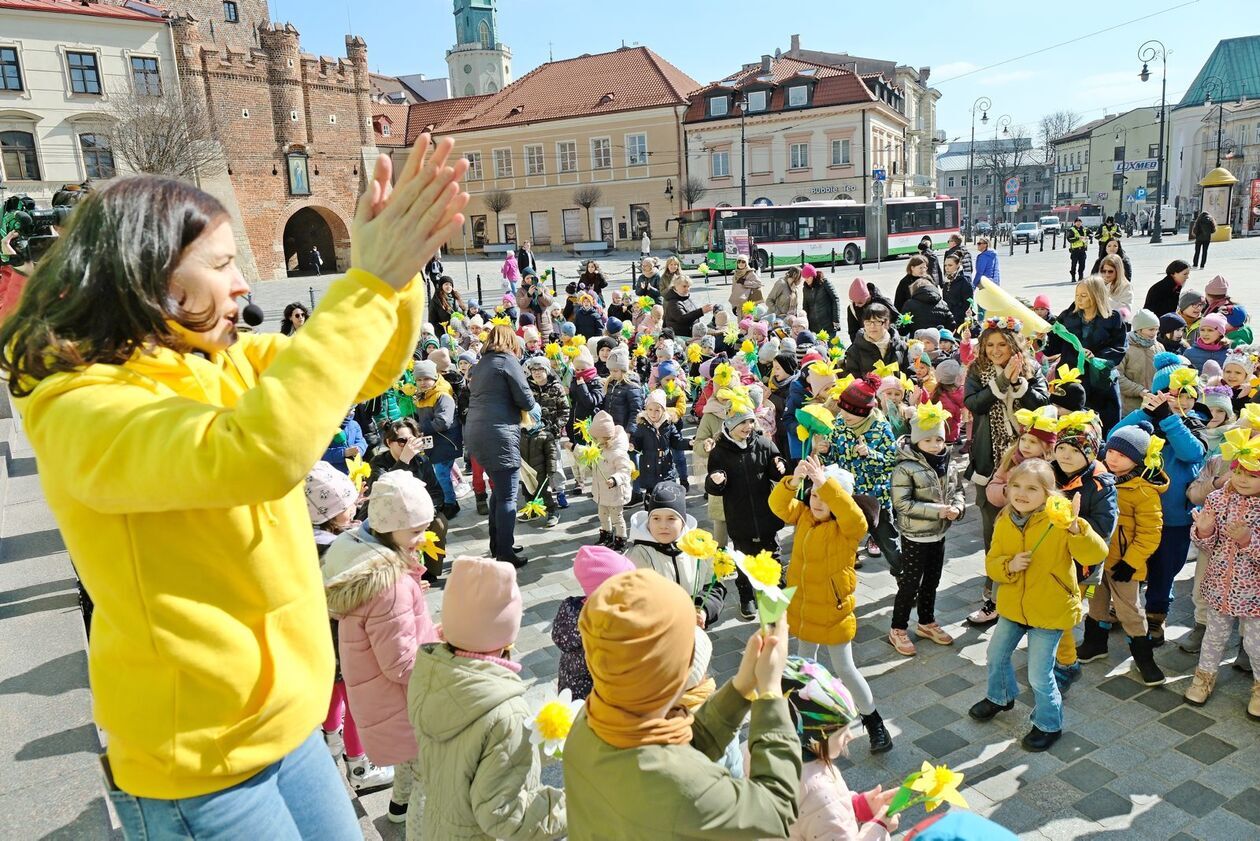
x=1078, y=244
x=1108, y=231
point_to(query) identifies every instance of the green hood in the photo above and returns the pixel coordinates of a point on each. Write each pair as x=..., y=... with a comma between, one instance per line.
x=448, y=693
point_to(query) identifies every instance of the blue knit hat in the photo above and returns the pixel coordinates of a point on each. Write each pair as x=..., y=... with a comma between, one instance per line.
x=1131, y=441
x=568, y=329
x=614, y=326
x=1165, y=359
x=668, y=368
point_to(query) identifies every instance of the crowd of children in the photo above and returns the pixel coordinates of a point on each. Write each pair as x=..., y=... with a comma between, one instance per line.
x=810, y=451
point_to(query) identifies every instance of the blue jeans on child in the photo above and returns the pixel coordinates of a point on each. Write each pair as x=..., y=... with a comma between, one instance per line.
x=1047, y=713
x=300, y=796
x=442, y=470
x=1169, y=558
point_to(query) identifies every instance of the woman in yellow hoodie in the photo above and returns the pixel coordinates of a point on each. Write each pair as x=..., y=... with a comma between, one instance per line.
x=1034, y=544
x=174, y=464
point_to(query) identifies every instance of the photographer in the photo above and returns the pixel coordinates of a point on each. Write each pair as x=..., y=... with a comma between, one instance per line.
x=26, y=234
x=174, y=465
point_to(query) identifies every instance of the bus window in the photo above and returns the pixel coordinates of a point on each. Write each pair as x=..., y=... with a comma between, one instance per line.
x=804, y=227
x=784, y=229
x=851, y=223
x=951, y=217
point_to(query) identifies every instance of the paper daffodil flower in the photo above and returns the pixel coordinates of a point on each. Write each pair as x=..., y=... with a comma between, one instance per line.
x=939, y=785
x=627, y=330
x=724, y=563
x=533, y=508
x=905, y=319
x=552, y=350
x=694, y=353
x=731, y=336
x=763, y=572
x=457, y=316
x=411, y=364
x=1239, y=447
x=647, y=340
x=928, y=415
x=723, y=375
x=823, y=336
x=429, y=545
x=571, y=351
x=704, y=269
x=1184, y=379
x=1250, y=415
x=1077, y=420
x=359, y=471
x=588, y=455
x=583, y=428
x=645, y=302
x=501, y=320
x=838, y=387
x=736, y=397
x=1059, y=512
x=747, y=347
x=640, y=352
x=1044, y=419
x=814, y=420
x=551, y=722
x=699, y=544
x=748, y=307
x=697, y=381
x=886, y=369
x=1067, y=375
x=1154, y=460
x=835, y=353
x=483, y=336
x=907, y=384
x=626, y=290
x=408, y=389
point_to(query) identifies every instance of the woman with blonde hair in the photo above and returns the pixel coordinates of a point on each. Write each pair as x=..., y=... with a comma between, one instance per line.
x=1119, y=288
x=745, y=284
x=671, y=273
x=1102, y=338
x=785, y=296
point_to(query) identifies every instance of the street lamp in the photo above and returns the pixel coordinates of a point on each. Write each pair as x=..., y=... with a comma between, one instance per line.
x=1215, y=85
x=742, y=101
x=1147, y=53
x=983, y=104
x=1124, y=132
x=1001, y=129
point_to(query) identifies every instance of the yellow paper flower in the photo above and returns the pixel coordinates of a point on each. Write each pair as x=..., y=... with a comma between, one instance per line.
x=1059, y=512
x=1077, y=420
x=886, y=369
x=736, y=397
x=408, y=389
x=1154, y=454
x=1067, y=374
x=698, y=543
x=626, y=290
x=693, y=353
x=583, y=428
x=533, y=508
x=1239, y=446
x=634, y=472
x=1043, y=419
x=501, y=319
x=928, y=415
x=835, y=353
x=571, y=351
x=588, y=455
x=907, y=384
x=359, y=471
x=763, y=570
x=747, y=347
x=823, y=336
x=551, y=722
x=1184, y=379
x=645, y=302
x=822, y=368
x=704, y=269
x=552, y=350
x=839, y=386
x=723, y=375
x=411, y=364
x=723, y=564
x=429, y=545
x=1250, y=415
x=939, y=785
x=749, y=307
x=483, y=336
x=731, y=336
x=640, y=352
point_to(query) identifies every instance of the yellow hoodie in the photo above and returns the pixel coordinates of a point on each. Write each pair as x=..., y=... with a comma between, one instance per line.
x=176, y=481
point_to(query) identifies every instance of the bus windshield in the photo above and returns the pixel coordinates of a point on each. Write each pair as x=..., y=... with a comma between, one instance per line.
x=693, y=236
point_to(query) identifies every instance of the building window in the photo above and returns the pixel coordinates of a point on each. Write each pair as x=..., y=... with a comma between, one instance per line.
x=1117, y=181
x=601, y=153
x=720, y=164
x=636, y=149
x=385, y=129
x=975, y=180
x=755, y=100
x=566, y=152
x=1037, y=197
x=475, y=172
x=949, y=182
x=17, y=151
x=988, y=201
x=98, y=157
x=85, y=77
x=145, y=76
x=798, y=95
x=719, y=106
x=483, y=35
x=840, y=153
x=10, y=70
x=230, y=13
x=1152, y=151
x=1117, y=154
x=798, y=156
x=502, y=163
x=534, y=160
x=1152, y=180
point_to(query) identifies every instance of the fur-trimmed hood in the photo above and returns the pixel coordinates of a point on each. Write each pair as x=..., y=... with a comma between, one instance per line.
x=357, y=568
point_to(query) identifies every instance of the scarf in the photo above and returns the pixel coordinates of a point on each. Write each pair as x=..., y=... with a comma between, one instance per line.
x=1140, y=341
x=638, y=633
x=1214, y=346
x=937, y=462
x=697, y=695
x=515, y=668
x=586, y=375
x=1020, y=520
x=1001, y=432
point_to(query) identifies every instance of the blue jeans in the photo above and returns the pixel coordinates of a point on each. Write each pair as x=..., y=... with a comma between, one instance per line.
x=301, y=796
x=1169, y=558
x=442, y=470
x=1042, y=642
x=503, y=511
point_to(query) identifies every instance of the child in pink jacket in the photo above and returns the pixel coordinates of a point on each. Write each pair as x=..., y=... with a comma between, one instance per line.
x=372, y=575
x=1037, y=437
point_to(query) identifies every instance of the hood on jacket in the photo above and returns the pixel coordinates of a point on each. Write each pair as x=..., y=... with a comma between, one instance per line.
x=620, y=442
x=639, y=531
x=928, y=294
x=358, y=568
x=448, y=694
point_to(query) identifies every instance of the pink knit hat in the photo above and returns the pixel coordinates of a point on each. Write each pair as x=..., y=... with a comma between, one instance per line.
x=399, y=501
x=808, y=270
x=1217, y=286
x=328, y=493
x=1215, y=320
x=596, y=564
x=859, y=294
x=602, y=425
x=481, y=606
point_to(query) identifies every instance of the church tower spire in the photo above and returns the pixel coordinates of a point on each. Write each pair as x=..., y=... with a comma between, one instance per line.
x=479, y=63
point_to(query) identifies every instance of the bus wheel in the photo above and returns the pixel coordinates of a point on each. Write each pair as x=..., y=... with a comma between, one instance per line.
x=851, y=255
x=763, y=259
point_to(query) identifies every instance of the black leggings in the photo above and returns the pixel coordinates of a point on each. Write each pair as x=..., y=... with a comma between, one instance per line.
x=921, y=565
x=1201, y=248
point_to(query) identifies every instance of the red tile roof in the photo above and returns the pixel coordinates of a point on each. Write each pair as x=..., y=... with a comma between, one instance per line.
x=396, y=113
x=438, y=112
x=75, y=7
x=626, y=79
x=834, y=86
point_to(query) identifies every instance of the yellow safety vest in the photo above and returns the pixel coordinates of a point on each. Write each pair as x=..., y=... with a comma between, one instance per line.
x=1109, y=233
x=1076, y=237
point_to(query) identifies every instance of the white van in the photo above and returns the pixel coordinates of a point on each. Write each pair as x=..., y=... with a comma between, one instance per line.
x=1050, y=224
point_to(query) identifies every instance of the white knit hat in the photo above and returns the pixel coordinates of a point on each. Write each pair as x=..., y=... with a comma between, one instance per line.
x=399, y=501
x=328, y=493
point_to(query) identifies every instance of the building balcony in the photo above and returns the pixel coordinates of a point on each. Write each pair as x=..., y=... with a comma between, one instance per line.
x=476, y=46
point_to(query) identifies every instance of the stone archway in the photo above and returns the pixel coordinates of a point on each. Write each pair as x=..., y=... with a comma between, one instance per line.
x=314, y=227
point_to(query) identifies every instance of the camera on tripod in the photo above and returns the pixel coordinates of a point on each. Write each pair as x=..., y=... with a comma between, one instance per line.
x=35, y=224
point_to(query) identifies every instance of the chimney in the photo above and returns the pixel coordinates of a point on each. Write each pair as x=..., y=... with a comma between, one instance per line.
x=796, y=45
x=765, y=63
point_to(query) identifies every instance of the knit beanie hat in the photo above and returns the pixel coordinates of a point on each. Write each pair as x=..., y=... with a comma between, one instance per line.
x=1217, y=287
x=619, y=359
x=886, y=383
x=949, y=372
x=843, y=477
x=787, y=345
x=329, y=492
x=668, y=495
x=583, y=360
x=927, y=335
x=756, y=393
x=665, y=349
x=859, y=292
x=469, y=357
x=1041, y=302
x=655, y=396
x=768, y=351
x=638, y=633
x=593, y=565
x=1216, y=321
x=441, y=359
x=708, y=344
x=425, y=370
x=943, y=335
x=808, y=270
x=481, y=605
x=527, y=320
x=668, y=368
x=1142, y=319
x=1041, y=423
x=613, y=326
x=399, y=501
x=536, y=362
x=1188, y=298
x=859, y=397
x=919, y=432
x=1083, y=438
x=700, y=657
x=602, y=425
x=818, y=703
x=736, y=416
x=805, y=340
x=1211, y=369
x=1220, y=397
x=1131, y=441
x=1237, y=316
x=1170, y=322
x=568, y=329
x=1242, y=360
x=787, y=362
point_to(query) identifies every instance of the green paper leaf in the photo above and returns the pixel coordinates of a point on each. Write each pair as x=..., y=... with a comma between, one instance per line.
x=901, y=800
x=1064, y=334
x=771, y=609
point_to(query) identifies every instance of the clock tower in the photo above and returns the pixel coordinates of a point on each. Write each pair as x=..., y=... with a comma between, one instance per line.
x=479, y=63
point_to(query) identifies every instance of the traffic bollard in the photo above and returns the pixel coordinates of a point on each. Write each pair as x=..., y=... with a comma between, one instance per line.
x=480, y=298
x=833, y=261
x=555, y=290
x=312, y=291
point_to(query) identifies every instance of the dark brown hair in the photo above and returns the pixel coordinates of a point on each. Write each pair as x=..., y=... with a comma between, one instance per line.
x=394, y=427
x=103, y=291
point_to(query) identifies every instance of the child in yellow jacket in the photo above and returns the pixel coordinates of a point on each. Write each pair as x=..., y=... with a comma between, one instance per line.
x=1034, y=543
x=829, y=528
x=1140, y=479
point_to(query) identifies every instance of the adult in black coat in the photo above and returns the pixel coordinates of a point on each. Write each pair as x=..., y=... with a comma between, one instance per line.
x=680, y=311
x=958, y=289
x=934, y=265
x=861, y=296
x=876, y=342
x=593, y=279
x=926, y=308
x=525, y=257
x=1163, y=296
x=916, y=268
x=1102, y=334
x=822, y=307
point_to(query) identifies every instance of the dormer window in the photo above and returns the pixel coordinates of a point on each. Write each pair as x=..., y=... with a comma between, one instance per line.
x=797, y=96
x=719, y=106
x=756, y=100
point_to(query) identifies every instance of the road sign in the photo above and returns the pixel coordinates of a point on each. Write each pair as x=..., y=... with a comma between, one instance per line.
x=1139, y=193
x=1101, y=195
x=880, y=174
x=1012, y=201
x=1012, y=186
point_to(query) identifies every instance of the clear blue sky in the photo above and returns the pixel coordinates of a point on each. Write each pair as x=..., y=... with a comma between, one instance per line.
x=1093, y=75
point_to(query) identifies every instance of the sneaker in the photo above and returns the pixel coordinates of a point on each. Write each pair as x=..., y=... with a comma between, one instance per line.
x=1253, y=706
x=1065, y=676
x=397, y=812
x=986, y=709
x=901, y=642
x=1038, y=740
x=872, y=548
x=553, y=520
x=336, y=743
x=364, y=775
x=986, y=615
x=748, y=610
x=450, y=510
x=933, y=632
x=1193, y=640
x=561, y=500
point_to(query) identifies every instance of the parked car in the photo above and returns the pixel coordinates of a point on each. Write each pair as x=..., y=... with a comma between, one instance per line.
x=1026, y=232
x=1050, y=225
x=984, y=228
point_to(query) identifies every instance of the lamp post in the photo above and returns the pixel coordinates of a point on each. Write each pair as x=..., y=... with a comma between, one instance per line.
x=983, y=104
x=1124, y=132
x=1214, y=88
x=1147, y=53
x=1001, y=129
x=741, y=100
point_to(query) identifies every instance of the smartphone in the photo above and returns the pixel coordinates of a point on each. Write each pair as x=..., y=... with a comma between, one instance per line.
x=426, y=442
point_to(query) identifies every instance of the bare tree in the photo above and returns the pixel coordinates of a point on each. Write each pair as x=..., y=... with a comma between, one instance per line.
x=588, y=197
x=692, y=190
x=169, y=135
x=1002, y=159
x=1054, y=125
x=498, y=201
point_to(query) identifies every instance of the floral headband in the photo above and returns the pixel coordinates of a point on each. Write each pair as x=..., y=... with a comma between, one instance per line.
x=1003, y=322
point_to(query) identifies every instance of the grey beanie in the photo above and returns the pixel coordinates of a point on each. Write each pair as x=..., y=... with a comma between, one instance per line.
x=619, y=359
x=425, y=370
x=1143, y=319
x=1188, y=298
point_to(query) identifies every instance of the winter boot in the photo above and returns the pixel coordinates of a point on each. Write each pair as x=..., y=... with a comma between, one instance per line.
x=1144, y=661
x=1194, y=640
x=881, y=741
x=450, y=510
x=1242, y=662
x=364, y=775
x=1065, y=676
x=483, y=505
x=1094, y=645
x=1200, y=689
x=1155, y=628
x=336, y=743
x=1253, y=706
x=605, y=537
x=561, y=500
x=619, y=544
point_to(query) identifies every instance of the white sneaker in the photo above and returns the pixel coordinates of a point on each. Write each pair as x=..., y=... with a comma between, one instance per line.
x=336, y=744
x=364, y=775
